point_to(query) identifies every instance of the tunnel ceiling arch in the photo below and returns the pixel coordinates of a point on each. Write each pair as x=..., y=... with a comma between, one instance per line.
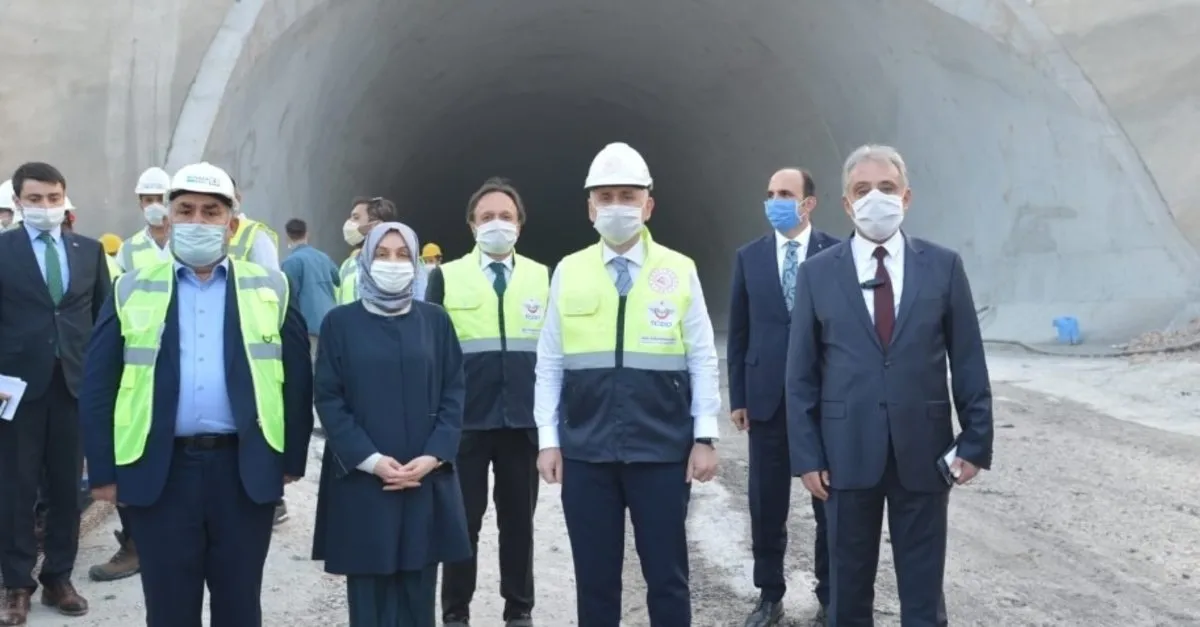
x=1013, y=160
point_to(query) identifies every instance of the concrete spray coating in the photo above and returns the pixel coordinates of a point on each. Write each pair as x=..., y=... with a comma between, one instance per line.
x=1016, y=160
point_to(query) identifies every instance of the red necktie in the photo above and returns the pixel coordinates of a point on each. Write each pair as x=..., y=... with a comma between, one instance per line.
x=885, y=300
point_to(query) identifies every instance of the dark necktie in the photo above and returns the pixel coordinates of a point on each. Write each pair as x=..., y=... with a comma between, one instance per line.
x=53, y=268
x=885, y=300
x=498, y=283
x=791, y=264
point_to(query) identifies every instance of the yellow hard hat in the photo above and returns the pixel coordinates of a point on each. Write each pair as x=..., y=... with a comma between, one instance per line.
x=111, y=243
x=431, y=250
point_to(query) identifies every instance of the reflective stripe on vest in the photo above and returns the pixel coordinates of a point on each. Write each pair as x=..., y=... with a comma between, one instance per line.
x=243, y=239
x=588, y=306
x=348, y=290
x=142, y=298
x=139, y=251
x=471, y=301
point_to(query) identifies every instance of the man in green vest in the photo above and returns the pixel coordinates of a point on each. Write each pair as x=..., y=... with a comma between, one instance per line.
x=196, y=410
x=253, y=241
x=148, y=246
x=365, y=213
x=497, y=301
x=627, y=397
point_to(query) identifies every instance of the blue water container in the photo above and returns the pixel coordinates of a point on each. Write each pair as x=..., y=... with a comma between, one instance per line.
x=1068, y=330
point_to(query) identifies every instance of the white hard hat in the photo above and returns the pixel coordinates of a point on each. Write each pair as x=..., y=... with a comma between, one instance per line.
x=154, y=181
x=6, y=195
x=203, y=178
x=618, y=164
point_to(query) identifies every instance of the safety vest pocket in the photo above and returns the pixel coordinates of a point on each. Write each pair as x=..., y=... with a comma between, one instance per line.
x=580, y=304
x=459, y=301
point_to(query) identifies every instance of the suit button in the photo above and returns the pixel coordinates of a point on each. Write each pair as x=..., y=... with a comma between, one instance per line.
x=887, y=364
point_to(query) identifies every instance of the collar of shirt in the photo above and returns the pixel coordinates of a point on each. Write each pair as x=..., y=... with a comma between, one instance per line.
x=55, y=233
x=186, y=274
x=485, y=262
x=150, y=237
x=635, y=255
x=803, y=238
x=863, y=248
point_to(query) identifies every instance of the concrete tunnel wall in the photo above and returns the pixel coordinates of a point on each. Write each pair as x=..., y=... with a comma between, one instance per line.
x=1014, y=160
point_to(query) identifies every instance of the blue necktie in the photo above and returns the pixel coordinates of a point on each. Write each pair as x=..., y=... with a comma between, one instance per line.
x=624, y=281
x=790, y=265
x=499, y=283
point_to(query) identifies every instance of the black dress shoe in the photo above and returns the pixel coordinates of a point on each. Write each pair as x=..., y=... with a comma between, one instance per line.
x=767, y=614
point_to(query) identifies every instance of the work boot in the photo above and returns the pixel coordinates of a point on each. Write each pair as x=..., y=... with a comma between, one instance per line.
x=766, y=614
x=15, y=608
x=281, y=513
x=124, y=563
x=62, y=596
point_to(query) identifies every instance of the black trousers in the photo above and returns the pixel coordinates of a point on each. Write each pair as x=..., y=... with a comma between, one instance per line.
x=43, y=437
x=512, y=455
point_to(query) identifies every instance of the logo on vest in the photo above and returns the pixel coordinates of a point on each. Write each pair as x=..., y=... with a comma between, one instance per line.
x=662, y=315
x=664, y=281
x=533, y=309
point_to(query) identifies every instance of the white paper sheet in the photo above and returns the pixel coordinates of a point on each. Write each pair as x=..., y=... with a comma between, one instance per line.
x=14, y=388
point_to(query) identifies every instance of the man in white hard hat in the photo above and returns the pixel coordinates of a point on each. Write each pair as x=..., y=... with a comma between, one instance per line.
x=149, y=245
x=8, y=212
x=254, y=240
x=627, y=397
x=204, y=363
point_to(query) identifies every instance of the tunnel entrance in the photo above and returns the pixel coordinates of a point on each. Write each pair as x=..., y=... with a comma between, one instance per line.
x=422, y=100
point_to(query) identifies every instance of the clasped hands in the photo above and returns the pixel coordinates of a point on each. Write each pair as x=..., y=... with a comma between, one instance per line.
x=397, y=476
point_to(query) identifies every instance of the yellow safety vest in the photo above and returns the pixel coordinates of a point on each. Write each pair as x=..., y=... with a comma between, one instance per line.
x=142, y=298
x=348, y=290
x=139, y=251
x=474, y=308
x=243, y=239
x=588, y=305
x=114, y=270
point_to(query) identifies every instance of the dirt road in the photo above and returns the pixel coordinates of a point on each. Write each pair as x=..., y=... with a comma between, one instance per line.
x=1088, y=519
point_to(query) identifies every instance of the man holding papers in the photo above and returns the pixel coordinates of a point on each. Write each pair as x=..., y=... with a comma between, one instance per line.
x=869, y=413
x=51, y=289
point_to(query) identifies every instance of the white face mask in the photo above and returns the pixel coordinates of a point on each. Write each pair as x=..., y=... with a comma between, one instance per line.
x=44, y=218
x=351, y=233
x=155, y=214
x=496, y=237
x=392, y=277
x=618, y=224
x=878, y=215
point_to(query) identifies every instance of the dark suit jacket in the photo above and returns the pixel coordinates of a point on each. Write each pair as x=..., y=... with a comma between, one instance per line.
x=31, y=326
x=846, y=393
x=756, y=352
x=262, y=469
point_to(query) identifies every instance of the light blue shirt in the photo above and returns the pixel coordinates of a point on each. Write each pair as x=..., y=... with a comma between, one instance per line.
x=39, y=251
x=204, y=406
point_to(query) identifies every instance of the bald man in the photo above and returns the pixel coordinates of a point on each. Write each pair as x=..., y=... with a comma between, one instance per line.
x=764, y=290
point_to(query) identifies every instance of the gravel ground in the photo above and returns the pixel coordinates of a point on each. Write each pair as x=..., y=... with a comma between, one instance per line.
x=1088, y=519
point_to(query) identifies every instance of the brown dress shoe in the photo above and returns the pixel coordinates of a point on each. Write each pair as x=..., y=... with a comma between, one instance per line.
x=62, y=596
x=15, y=608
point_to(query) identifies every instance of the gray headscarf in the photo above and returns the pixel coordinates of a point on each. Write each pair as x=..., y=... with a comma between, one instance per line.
x=367, y=289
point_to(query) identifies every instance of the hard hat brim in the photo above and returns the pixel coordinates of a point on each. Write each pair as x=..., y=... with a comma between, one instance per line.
x=176, y=193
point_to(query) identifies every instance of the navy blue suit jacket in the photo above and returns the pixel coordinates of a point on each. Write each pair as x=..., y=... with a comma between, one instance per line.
x=756, y=352
x=262, y=469
x=848, y=395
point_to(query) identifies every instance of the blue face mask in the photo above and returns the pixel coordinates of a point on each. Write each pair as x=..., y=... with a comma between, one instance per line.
x=198, y=245
x=782, y=213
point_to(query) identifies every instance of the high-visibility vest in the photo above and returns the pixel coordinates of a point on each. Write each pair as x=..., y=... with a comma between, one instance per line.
x=243, y=239
x=139, y=251
x=142, y=298
x=348, y=290
x=626, y=390
x=114, y=270
x=471, y=301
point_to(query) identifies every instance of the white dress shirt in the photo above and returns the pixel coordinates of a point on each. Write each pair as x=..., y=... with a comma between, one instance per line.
x=781, y=246
x=485, y=263
x=863, y=251
x=701, y=351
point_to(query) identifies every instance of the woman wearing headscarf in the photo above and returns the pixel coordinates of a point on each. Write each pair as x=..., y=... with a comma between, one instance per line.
x=389, y=390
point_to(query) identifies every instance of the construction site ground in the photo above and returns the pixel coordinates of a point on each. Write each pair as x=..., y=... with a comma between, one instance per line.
x=1089, y=518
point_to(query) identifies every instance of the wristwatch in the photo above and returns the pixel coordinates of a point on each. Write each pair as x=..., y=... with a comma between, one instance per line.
x=707, y=442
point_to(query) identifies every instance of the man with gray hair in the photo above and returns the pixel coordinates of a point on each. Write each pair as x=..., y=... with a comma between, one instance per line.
x=876, y=319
